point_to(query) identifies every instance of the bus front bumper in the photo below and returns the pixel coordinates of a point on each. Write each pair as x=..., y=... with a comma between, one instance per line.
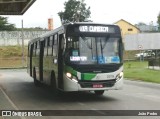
x=71, y=85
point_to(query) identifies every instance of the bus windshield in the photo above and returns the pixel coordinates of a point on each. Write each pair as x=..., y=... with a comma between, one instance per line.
x=93, y=50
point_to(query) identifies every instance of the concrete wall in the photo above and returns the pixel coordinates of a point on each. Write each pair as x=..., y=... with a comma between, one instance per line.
x=15, y=37
x=142, y=41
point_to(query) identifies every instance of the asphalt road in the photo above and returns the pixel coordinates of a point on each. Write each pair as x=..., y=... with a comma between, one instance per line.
x=19, y=93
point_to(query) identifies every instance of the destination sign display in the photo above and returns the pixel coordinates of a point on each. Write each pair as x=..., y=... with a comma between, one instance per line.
x=93, y=28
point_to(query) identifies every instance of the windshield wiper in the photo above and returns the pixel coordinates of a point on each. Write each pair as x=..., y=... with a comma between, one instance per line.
x=92, y=49
x=101, y=48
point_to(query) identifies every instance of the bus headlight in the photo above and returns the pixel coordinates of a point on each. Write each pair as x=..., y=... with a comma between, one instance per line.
x=119, y=76
x=70, y=76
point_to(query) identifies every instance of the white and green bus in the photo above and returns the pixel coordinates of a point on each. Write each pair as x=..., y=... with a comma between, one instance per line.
x=78, y=57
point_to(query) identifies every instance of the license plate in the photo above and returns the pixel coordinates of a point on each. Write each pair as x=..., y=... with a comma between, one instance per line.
x=97, y=85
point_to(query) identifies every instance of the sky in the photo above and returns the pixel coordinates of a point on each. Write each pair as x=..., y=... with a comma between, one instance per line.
x=102, y=11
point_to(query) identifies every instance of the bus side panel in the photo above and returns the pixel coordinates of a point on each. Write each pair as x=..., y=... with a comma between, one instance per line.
x=46, y=66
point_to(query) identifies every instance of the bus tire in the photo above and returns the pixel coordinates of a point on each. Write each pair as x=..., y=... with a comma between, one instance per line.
x=36, y=82
x=53, y=82
x=99, y=92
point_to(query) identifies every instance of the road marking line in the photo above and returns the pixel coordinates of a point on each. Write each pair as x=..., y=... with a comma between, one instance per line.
x=98, y=111
x=14, y=106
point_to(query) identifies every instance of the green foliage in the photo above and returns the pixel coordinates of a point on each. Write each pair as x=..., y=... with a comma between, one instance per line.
x=5, y=26
x=158, y=21
x=75, y=11
x=140, y=23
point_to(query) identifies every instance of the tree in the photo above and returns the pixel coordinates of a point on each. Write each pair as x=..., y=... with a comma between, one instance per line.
x=141, y=23
x=158, y=21
x=5, y=26
x=75, y=11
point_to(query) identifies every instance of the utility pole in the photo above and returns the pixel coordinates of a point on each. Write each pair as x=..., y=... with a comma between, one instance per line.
x=22, y=45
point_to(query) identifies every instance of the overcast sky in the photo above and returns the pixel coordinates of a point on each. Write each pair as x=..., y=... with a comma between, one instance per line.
x=103, y=11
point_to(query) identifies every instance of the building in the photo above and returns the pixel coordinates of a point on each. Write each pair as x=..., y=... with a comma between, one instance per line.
x=147, y=28
x=127, y=28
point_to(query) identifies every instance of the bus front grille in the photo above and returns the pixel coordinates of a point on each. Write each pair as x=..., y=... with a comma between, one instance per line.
x=90, y=84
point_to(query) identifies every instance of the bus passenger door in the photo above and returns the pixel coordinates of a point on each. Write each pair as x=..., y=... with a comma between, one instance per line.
x=60, y=61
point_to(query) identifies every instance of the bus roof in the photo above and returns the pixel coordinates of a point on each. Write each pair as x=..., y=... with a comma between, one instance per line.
x=89, y=23
x=63, y=27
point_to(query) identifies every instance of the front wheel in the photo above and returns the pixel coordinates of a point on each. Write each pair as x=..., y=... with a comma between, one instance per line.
x=99, y=92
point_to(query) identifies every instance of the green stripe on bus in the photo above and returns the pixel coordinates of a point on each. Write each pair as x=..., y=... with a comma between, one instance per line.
x=87, y=76
x=70, y=70
x=84, y=76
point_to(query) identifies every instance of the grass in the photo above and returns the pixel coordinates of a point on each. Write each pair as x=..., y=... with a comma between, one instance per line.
x=12, y=51
x=11, y=56
x=14, y=62
x=139, y=71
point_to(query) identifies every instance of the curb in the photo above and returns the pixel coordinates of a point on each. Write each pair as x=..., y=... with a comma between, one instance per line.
x=7, y=104
x=154, y=67
x=142, y=83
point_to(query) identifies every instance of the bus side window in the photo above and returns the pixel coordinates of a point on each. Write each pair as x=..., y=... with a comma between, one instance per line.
x=55, y=45
x=50, y=41
x=76, y=44
x=47, y=40
x=38, y=45
x=45, y=47
x=52, y=37
x=30, y=53
x=29, y=48
x=35, y=45
x=38, y=48
x=33, y=50
x=69, y=45
x=55, y=39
